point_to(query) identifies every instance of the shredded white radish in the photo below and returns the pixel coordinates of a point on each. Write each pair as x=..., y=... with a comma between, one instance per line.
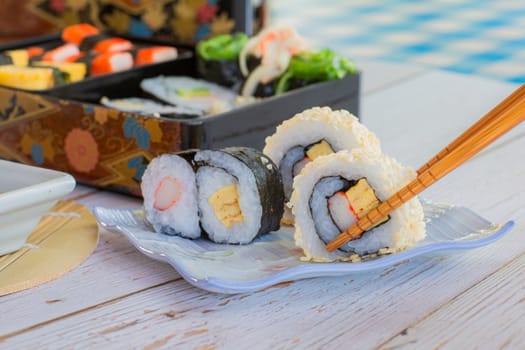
x=259, y=74
x=275, y=46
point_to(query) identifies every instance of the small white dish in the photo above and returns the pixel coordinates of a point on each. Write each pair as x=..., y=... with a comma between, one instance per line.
x=26, y=194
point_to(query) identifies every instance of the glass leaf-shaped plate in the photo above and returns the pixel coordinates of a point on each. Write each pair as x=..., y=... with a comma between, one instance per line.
x=273, y=258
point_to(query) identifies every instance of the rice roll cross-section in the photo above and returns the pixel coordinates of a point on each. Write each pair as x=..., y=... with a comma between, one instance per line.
x=335, y=191
x=315, y=132
x=170, y=195
x=240, y=194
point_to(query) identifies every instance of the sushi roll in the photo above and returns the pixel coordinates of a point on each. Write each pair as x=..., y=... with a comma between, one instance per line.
x=201, y=96
x=35, y=54
x=313, y=66
x=146, y=106
x=218, y=59
x=75, y=71
x=170, y=195
x=101, y=43
x=28, y=78
x=19, y=58
x=233, y=194
x=311, y=134
x=240, y=194
x=76, y=33
x=274, y=47
x=109, y=62
x=62, y=53
x=5, y=59
x=335, y=191
x=154, y=54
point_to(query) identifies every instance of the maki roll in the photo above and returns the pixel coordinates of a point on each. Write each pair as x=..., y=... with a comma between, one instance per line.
x=170, y=195
x=335, y=191
x=200, y=96
x=309, y=67
x=5, y=59
x=240, y=194
x=233, y=194
x=29, y=78
x=217, y=59
x=62, y=53
x=102, y=43
x=19, y=58
x=110, y=62
x=154, y=54
x=315, y=132
x=73, y=71
x=145, y=106
x=76, y=33
x=274, y=48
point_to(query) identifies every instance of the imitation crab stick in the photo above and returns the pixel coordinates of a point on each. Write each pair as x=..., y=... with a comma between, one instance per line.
x=155, y=54
x=75, y=34
x=104, y=45
x=62, y=53
x=111, y=62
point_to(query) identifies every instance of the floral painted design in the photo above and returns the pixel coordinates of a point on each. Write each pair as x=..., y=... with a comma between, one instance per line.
x=154, y=129
x=154, y=16
x=133, y=129
x=57, y=5
x=139, y=163
x=100, y=114
x=37, y=154
x=118, y=21
x=37, y=143
x=182, y=20
x=206, y=12
x=221, y=24
x=81, y=150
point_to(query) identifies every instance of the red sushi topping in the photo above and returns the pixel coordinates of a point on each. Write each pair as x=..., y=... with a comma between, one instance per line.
x=111, y=62
x=63, y=53
x=112, y=45
x=35, y=51
x=167, y=194
x=74, y=34
x=155, y=54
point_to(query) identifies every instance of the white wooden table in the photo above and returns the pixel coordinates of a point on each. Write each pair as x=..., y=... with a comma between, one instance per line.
x=119, y=298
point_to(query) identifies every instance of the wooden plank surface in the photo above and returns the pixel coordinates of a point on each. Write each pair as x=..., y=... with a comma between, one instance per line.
x=119, y=298
x=323, y=313
x=115, y=270
x=491, y=314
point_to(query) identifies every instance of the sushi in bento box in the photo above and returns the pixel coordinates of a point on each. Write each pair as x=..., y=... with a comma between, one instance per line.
x=50, y=64
x=105, y=130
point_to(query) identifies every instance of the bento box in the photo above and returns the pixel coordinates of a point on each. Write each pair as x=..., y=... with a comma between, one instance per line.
x=66, y=128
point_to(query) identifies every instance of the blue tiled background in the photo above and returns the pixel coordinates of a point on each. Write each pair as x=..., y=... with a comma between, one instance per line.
x=480, y=37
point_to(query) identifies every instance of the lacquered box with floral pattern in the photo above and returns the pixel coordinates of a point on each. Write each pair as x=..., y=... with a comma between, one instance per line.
x=110, y=149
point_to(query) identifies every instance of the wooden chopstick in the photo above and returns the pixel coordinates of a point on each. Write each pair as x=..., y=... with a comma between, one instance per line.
x=491, y=117
x=509, y=113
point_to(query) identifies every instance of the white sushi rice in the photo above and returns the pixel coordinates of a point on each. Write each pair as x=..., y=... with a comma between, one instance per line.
x=166, y=88
x=181, y=218
x=385, y=175
x=227, y=170
x=341, y=129
x=144, y=106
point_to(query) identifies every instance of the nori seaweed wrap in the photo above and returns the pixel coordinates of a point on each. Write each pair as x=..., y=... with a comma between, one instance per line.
x=240, y=194
x=5, y=59
x=232, y=195
x=314, y=66
x=217, y=59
